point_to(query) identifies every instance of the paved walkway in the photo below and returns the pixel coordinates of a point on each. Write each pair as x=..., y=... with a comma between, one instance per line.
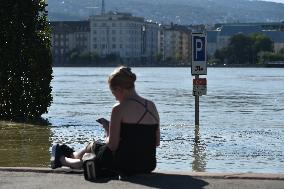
x=46, y=178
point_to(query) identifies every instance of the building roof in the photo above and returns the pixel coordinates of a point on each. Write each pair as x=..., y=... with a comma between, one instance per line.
x=227, y=30
x=262, y=24
x=117, y=16
x=70, y=26
x=175, y=27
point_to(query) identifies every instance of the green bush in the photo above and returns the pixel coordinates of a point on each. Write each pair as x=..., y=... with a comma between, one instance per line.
x=25, y=60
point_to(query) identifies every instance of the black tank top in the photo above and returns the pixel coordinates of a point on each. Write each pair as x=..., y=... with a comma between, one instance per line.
x=137, y=147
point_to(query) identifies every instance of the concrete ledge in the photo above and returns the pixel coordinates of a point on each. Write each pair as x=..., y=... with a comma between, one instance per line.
x=253, y=176
x=256, y=176
x=41, y=170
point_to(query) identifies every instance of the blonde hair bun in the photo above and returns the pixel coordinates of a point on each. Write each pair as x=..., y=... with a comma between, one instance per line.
x=122, y=77
x=128, y=72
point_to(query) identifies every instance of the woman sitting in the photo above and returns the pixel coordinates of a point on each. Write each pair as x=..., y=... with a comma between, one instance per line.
x=132, y=134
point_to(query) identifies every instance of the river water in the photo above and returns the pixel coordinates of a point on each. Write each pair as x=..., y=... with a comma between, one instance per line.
x=241, y=119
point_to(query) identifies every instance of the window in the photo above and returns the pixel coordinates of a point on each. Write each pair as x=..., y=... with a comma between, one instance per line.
x=113, y=46
x=113, y=32
x=95, y=46
x=95, y=32
x=95, y=39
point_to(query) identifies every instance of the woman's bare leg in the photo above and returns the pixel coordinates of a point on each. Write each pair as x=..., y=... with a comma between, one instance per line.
x=72, y=163
x=87, y=149
x=79, y=154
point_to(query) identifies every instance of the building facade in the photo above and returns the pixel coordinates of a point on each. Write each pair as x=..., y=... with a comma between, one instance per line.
x=211, y=42
x=174, y=43
x=68, y=37
x=131, y=38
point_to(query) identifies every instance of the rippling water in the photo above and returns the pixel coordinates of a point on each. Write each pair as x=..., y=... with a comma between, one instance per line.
x=241, y=118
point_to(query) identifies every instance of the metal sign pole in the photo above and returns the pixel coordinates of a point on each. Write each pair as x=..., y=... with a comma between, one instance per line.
x=198, y=67
x=196, y=106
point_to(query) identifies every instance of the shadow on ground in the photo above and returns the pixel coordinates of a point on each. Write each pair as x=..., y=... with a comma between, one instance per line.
x=167, y=181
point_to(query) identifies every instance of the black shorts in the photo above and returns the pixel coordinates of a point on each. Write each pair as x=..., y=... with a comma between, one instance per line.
x=104, y=161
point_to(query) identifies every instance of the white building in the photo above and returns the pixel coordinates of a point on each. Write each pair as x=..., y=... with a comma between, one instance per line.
x=131, y=38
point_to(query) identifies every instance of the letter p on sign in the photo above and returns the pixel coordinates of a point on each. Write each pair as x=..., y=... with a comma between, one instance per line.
x=198, y=45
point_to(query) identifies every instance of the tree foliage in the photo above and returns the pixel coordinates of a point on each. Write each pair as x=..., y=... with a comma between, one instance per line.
x=271, y=57
x=25, y=60
x=244, y=49
x=281, y=51
x=240, y=49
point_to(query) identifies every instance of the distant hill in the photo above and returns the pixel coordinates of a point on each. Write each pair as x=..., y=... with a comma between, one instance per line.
x=176, y=11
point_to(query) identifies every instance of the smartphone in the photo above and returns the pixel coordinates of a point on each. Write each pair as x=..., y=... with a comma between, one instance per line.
x=102, y=121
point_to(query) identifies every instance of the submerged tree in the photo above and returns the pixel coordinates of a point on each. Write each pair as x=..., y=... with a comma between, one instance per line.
x=25, y=60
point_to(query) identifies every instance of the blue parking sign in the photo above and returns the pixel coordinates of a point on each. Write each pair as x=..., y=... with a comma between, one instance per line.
x=199, y=43
x=199, y=48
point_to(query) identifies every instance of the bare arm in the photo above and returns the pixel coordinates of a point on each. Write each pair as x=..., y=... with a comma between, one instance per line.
x=105, y=124
x=114, y=129
x=158, y=134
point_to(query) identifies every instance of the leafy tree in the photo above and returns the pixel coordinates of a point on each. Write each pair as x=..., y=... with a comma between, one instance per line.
x=95, y=57
x=112, y=57
x=239, y=50
x=74, y=55
x=268, y=56
x=159, y=57
x=281, y=51
x=220, y=55
x=244, y=49
x=262, y=43
x=25, y=60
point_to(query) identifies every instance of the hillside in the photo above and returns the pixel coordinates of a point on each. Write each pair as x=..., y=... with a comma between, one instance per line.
x=177, y=11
